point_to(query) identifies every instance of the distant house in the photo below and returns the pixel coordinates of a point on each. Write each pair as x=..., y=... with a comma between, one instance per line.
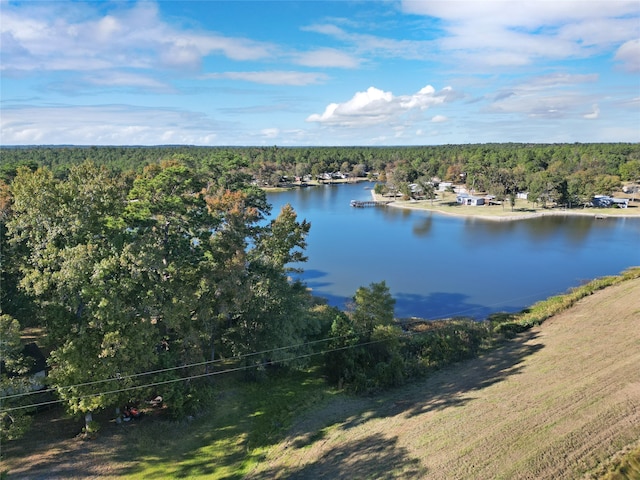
x=466, y=199
x=442, y=186
x=605, y=201
x=522, y=195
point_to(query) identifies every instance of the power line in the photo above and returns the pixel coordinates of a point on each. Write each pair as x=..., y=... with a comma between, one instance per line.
x=212, y=362
x=191, y=377
x=229, y=370
x=168, y=369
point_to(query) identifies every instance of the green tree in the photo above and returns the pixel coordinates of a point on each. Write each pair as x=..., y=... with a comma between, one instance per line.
x=428, y=189
x=607, y=184
x=581, y=187
x=545, y=187
x=630, y=171
x=15, y=387
x=372, y=306
x=273, y=313
x=365, y=351
x=75, y=265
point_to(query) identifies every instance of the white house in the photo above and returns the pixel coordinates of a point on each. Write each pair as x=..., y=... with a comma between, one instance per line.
x=466, y=199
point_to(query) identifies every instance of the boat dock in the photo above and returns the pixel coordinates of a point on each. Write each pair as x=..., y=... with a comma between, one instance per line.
x=369, y=203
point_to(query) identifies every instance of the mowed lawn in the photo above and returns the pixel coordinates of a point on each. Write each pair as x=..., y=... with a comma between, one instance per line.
x=554, y=403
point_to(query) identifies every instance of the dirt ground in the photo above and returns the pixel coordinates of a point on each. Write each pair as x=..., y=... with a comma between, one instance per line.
x=554, y=403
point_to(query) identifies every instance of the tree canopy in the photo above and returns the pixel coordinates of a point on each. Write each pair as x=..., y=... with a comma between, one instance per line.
x=155, y=272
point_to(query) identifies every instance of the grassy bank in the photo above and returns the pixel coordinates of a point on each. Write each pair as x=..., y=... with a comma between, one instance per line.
x=557, y=401
x=541, y=311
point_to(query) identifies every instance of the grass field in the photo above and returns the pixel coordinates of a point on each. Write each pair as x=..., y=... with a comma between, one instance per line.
x=557, y=401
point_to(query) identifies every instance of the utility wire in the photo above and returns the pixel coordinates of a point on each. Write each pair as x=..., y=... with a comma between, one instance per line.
x=220, y=372
x=168, y=369
x=191, y=377
x=212, y=362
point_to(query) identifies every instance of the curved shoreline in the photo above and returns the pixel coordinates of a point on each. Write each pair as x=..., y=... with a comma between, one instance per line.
x=505, y=216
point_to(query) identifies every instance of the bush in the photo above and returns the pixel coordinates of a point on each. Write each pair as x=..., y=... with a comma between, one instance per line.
x=446, y=342
x=364, y=363
x=390, y=356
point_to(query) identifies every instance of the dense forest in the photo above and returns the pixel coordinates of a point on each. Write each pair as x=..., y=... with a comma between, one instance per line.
x=562, y=174
x=149, y=270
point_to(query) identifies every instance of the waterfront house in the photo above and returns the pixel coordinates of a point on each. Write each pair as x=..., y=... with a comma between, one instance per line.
x=604, y=201
x=466, y=199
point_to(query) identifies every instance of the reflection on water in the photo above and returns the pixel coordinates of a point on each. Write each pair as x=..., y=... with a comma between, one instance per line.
x=438, y=266
x=574, y=228
x=422, y=227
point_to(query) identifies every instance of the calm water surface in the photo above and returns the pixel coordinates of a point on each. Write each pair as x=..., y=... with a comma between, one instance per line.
x=439, y=266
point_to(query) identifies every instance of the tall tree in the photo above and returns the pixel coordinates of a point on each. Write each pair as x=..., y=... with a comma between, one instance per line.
x=75, y=264
x=365, y=346
x=275, y=310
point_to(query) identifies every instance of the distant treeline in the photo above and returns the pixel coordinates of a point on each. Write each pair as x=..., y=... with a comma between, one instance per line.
x=566, y=174
x=443, y=161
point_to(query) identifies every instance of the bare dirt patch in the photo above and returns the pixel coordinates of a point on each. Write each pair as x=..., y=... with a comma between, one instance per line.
x=554, y=403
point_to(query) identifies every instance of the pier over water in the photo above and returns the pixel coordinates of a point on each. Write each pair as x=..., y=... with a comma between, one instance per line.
x=369, y=203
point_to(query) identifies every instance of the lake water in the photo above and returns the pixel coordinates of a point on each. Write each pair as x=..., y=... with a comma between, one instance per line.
x=439, y=266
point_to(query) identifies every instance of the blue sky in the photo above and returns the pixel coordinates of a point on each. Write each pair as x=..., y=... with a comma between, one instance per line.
x=293, y=73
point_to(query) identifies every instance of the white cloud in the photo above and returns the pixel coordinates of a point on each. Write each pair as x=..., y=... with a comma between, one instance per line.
x=526, y=13
x=539, y=105
x=375, y=106
x=327, y=29
x=365, y=44
x=594, y=114
x=46, y=36
x=558, y=80
x=557, y=95
x=291, y=78
x=270, y=132
x=629, y=55
x=106, y=125
x=514, y=33
x=123, y=79
x=326, y=57
x=439, y=119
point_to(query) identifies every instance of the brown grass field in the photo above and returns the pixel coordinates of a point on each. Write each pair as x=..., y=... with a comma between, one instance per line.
x=555, y=403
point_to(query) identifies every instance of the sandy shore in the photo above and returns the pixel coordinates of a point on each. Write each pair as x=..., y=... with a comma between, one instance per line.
x=522, y=211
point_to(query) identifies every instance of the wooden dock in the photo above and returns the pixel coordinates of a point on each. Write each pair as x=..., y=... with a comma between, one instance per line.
x=369, y=203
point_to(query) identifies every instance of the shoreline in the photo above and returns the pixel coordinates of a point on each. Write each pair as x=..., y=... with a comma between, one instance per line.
x=473, y=212
x=482, y=212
